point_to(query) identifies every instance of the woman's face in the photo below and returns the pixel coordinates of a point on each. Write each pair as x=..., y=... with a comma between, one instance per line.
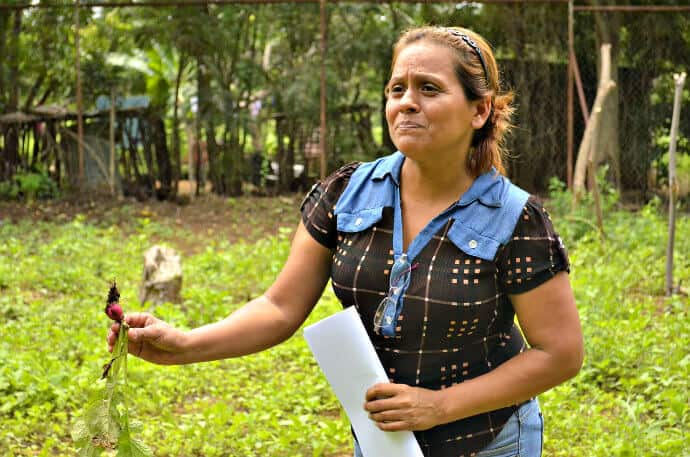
x=427, y=111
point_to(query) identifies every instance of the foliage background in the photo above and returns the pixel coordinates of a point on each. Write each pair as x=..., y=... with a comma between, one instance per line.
x=630, y=399
x=204, y=66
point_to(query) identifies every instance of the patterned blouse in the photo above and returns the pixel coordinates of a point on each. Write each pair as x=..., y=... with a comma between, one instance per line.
x=457, y=322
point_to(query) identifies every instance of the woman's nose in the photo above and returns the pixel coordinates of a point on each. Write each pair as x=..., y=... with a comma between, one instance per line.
x=408, y=102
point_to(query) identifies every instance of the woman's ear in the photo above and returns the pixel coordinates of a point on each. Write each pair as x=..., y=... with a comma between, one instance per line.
x=481, y=113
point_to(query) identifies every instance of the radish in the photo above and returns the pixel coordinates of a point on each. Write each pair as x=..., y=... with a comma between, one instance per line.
x=112, y=307
x=105, y=424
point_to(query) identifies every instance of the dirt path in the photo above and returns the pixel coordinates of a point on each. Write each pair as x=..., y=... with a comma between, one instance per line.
x=248, y=218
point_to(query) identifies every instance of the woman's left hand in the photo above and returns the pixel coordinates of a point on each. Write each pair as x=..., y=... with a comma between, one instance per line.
x=395, y=407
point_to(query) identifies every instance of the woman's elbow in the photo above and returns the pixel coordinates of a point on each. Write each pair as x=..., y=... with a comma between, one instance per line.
x=572, y=359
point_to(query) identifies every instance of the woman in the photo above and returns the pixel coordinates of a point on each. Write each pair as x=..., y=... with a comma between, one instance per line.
x=438, y=252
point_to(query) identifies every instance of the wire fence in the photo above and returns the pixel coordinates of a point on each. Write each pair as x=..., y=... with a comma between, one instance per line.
x=260, y=124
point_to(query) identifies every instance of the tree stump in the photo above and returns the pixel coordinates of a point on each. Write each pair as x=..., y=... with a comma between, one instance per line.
x=162, y=279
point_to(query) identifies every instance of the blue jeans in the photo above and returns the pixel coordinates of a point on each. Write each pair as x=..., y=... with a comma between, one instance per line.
x=521, y=436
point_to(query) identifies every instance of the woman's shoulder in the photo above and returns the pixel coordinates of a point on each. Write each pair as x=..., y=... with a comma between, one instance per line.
x=344, y=173
x=330, y=188
x=535, y=219
x=335, y=183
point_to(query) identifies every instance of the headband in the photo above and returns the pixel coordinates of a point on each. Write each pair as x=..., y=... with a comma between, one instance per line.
x=471, y=43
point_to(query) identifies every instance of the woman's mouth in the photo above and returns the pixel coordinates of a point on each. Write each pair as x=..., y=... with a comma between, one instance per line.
x=408, y=125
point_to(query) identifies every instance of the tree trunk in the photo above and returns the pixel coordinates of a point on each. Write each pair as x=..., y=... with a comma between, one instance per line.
x=198, y=123
x=145, y=130
x=281, y=120
x=608, y=26
x=13, y=102
x=51, y=132
x=33, y=92
x=4, y=21
x=231, y=166
x=206, y=114
x=176, y=153
x=162, y=157
x=12, y=133
x=593, y=139
x=287, y=159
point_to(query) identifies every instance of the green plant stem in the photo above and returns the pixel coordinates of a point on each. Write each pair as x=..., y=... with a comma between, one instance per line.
x=123, y=343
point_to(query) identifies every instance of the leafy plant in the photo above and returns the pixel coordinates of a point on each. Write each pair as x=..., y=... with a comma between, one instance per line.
x=105, y=424
x=630, y=399
x=577, y=221
x=660, y=169
x=28, y=186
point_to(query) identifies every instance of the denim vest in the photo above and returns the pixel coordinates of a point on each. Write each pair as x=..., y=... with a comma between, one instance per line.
x=484, y=218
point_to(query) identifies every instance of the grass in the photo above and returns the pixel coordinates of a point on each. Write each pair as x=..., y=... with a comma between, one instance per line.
x=630, y=399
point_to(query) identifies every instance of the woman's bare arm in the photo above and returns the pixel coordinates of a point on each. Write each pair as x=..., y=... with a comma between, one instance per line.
x=549, y=320
x=263, y=322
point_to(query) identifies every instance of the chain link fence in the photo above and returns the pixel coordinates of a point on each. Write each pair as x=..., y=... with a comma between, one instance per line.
x=276, y=74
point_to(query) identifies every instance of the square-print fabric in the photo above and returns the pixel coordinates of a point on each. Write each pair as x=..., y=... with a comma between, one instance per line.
x=457, y=322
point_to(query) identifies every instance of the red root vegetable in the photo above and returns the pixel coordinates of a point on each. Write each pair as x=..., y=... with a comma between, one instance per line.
x=114, y=312
x=105, y=424
x=112, y=307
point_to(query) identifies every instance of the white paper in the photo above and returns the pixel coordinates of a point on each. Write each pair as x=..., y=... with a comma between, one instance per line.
x=344, y=352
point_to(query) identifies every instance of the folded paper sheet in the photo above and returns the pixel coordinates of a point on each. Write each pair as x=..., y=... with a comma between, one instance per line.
x=344, y=352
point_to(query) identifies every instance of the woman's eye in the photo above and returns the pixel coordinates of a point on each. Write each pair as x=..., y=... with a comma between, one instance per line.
x=429, y=88
x=396, y=89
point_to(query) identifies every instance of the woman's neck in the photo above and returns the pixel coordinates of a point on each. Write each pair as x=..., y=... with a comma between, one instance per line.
x=434, y=181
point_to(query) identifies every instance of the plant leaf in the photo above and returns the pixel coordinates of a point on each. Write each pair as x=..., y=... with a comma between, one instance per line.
x=105, y=423
x=131, y=447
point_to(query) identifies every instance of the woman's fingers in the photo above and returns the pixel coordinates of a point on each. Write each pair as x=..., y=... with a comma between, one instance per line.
x=382, y=396
x=134, y=321
x=383, y=389
x=138, y=320
x=112, y=336
x=148, y=338
x=401, y=407
x=393, y=426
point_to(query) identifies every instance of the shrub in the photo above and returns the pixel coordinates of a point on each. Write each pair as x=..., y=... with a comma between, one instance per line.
x=29, y=187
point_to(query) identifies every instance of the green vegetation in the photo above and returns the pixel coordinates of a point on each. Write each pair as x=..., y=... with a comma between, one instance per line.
x=28, y=187
x=53, y=347
x=245, y=78
x=631, y=398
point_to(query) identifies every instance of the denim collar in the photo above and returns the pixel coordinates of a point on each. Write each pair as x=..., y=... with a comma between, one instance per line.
x=390, y=165
x=487, y=188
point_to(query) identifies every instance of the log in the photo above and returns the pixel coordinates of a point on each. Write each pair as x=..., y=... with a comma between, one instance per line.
x=591, y=139
x=162, y=279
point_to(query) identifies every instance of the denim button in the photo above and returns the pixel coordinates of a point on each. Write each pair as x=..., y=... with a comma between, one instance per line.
x=473, y=244
x=358, y=221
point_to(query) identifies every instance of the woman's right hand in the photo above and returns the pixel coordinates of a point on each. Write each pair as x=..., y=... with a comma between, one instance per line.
x=150, y=339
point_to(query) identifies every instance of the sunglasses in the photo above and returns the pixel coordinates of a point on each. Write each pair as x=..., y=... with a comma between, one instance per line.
x=389, y=309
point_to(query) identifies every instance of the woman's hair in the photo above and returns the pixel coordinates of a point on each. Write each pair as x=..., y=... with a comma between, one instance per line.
x=476, y=70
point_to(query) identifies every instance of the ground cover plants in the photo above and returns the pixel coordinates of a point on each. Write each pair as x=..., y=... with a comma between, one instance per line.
x=630, y=399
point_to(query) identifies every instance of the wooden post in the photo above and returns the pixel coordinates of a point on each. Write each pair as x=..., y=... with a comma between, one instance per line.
x=112, y=141
x=80, y=108
x=594, y=186
x=323, y=128
x=672, y=185
x=570, y=135
x=580, y=89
